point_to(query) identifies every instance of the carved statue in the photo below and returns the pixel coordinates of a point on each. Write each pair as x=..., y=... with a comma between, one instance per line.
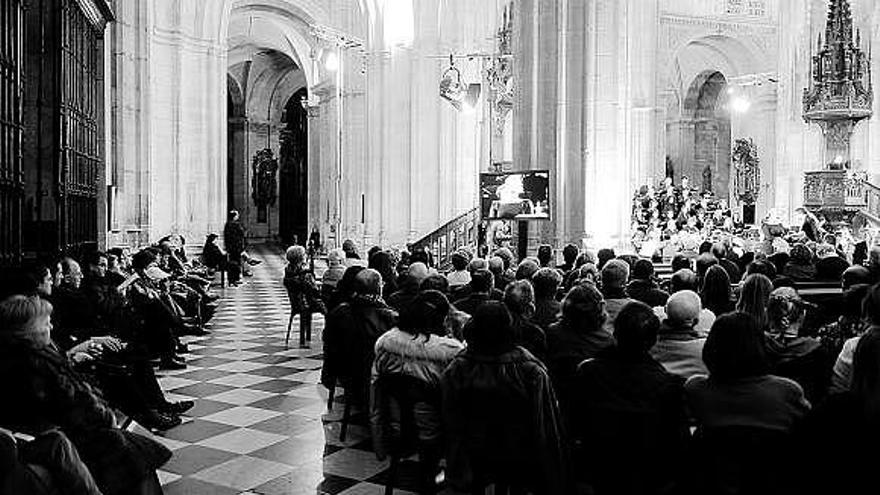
x=264, y=183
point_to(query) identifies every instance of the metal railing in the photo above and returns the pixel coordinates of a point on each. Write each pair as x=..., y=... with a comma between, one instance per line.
x=461, y=231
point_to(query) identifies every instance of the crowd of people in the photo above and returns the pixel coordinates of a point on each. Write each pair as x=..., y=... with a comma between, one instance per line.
x=80, y=339
x=596, y=376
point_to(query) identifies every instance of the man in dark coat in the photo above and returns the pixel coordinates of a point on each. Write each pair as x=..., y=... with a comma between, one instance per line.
x=628, y=420
x=519, y=297
x=234, y=238
x=643, y=287
x=481, y=290
x=500, y=413
x=350, y=335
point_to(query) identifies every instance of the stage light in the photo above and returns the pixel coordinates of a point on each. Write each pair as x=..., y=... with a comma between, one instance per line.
x=472, y=97
x=451, y=87
x=740, y=104
x=331, y=61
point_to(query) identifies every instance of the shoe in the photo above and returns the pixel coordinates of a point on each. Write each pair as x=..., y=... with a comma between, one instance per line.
x=182, y=348
x=212, y=297
x=155, y=420
x=177, y=408
x=172, y=364
x=254, y=262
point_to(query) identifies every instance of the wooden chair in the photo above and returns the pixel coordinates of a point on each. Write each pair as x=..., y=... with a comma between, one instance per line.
x=398, y=396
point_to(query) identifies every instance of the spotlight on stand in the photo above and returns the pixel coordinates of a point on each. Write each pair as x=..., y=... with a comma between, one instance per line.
x=451, y=87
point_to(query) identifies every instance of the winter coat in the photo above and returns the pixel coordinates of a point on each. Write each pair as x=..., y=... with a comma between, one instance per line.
x=303, y=292
x=48, y=393
x=502, y=422
x=418, y=357
x=350, y=334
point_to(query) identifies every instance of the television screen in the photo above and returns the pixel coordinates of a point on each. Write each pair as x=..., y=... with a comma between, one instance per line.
x=515, y=195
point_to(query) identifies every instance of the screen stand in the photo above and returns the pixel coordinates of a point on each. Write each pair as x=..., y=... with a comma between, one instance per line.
x=522, y=242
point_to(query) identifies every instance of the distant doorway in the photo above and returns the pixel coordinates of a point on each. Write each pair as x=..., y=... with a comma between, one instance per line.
x=708, y=162
x=293, y=197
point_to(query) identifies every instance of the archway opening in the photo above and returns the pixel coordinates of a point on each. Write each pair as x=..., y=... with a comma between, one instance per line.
x=706, y=154
x=293, y=198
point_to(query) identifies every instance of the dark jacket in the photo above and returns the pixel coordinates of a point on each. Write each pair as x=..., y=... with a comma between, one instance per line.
x=470, y=303
x=48, y=393
x=530, y=336
x=733, y=271
x=303, y=292
x=797, y=272
x=802, y=359
x=831, y=268
x=546, y=312
x=648, y=292
x=213, y=257
x=74, y=317
x=234, y=238
x=502, y=422
x=350, y=335
x=566, y=348
x=628, y=423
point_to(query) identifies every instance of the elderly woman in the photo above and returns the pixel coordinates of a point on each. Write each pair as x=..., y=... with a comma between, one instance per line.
x=48, y=393
x=305, y=298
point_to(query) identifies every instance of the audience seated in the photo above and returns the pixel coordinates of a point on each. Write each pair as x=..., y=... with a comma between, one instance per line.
x=642, y=286
x=526, y=269
x=409, y=289
x=745, y=416
x=482, y=289
x=722, y=254
x=418, y=349
x=579, y=335
x=500, y=413
x=545, y=256
x=862, y=303
x=753, y=299
x=459, y=276
x=685, y=279
x=569, y=257
x=350, y=334
x=841, y=433
x=679, y=346
x=48, y=394
x=519, y=297
x=383, y=262
x=628, y=421
x=830, y=265
x=615, y=275
x=790, y=353
x=302, y=291
x=546, y=282
x=800, y=265
x=332, y=275
x=455, y=319
x=716, y=294
x=47, y=464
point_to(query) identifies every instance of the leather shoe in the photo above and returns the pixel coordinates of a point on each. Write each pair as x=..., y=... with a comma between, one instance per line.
x=177, y=408
x=182, y=348
x=172, y=364
x=155, y=420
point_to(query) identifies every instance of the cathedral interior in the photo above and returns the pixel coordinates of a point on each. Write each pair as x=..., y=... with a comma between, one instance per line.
x=439, y=130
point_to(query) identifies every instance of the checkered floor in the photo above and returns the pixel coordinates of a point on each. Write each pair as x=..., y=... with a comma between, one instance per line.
x=261, y=423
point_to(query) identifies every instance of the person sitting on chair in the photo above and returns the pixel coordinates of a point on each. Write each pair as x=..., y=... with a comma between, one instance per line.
x=305, y=298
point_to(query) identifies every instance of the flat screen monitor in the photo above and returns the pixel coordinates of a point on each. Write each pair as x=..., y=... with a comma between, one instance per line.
x=515, y=195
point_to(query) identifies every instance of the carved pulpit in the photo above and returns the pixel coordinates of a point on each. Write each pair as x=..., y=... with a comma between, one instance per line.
x=839, y=97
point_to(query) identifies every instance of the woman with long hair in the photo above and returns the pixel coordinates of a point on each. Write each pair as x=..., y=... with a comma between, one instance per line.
x=716, y=294
x=753, y=298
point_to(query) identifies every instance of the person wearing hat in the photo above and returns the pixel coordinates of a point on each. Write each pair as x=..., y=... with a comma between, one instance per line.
x=679, y=346
x=791, y=354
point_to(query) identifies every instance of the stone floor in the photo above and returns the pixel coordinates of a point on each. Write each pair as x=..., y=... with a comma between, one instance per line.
x=261, y=422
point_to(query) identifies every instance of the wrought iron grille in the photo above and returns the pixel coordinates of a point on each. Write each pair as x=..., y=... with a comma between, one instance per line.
x=11, y=179
x=80, y=156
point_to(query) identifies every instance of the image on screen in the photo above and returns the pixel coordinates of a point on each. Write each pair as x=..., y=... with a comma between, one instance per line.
x=515, y=195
